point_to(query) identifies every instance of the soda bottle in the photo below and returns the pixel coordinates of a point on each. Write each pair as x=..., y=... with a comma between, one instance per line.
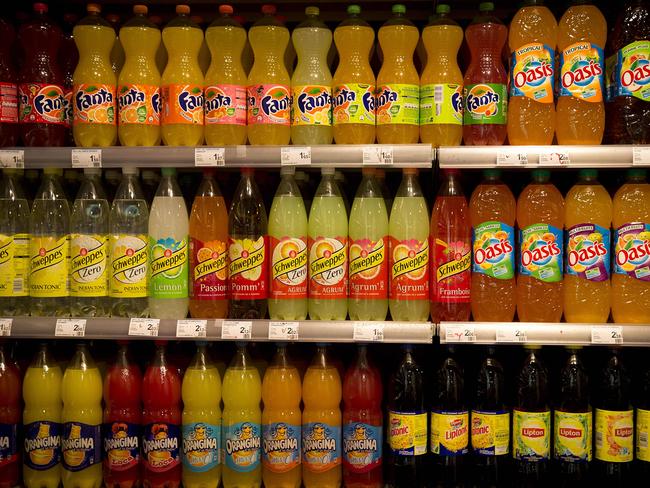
x=408, y=251
x=122, y=421
x=642, y=423
x=441, y=83
x=580, y=107
x=117, y=53
x=353, y=85
x=242, y=418
x=451, y=242
x=42, y=422
x=204, y=52
x=268, y=92
x=208, y=251
x=225, y=82
x=385, y=191
x=311, y=83
x=540, y=218
x=128, y=251
x=288, y=230
x=588, y=218
x=281, y=423
x=631, y=222
x=492, y=210
x=49, y=248
x=10, y=399
x=398, y=82
x=182, y=82
x=161, y=422
x=247, y=250
x=321, y=423
x=68, y=60
x=328, y=252
x=8, y=87
x=94, y=120
x=201, y=392
x=138, y=84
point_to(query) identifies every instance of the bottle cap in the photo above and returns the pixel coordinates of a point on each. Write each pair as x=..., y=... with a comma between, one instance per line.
x=443, y=8
x=354, y=10
x=168, y=171
x=288, y=170
x=398, y=8
x=93, y=8
x=541, y=174
x=130, y=170
x=492, y=173
x=53, y=171
x=588, y=173
x=410, y=171
x=486, y=7
x=140, y=10
x=92, y=171
x=268, y=9
x=40, y=8
x=369, y=171
x=315, y=11
x=113, y=18
x=328, y=171
x=183, y=9
x=637, y=173
x=226, y=9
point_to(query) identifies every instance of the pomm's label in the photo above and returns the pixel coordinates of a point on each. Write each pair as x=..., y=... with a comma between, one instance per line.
x=121, y=445
x=533, y=72
x=573, y=436
x=354, y=103
x=289, y=267
x=485, y=103
x=328, y=267
x=42, y=445
x=139, y=104
x=243, y=446
x=368, y=269
x=81, y=445
x=449, y=433
x=94, y=103
x=409, y=269
x=441, y=104
x=531, y=435
x=225, y=104
x=398, y=103
x=281, y=446
x=41, y=103
x=321, y=446
x=614, y=435
x=582, y=72
x=632, y=250
x=311, y=105
x=362, y=447
x=48, y=267
x=588, y=252
x=540, y=253
x=201, y=446
x=208, y=269
x=490, y=433
x=248, y=268
x=269, y=104
x=182, y=104
x=129, y=265
x=88, y=265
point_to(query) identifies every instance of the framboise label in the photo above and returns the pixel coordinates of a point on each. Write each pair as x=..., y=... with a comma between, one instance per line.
x=441, y=104
x=451, y=266
x=280, y=446
x=248, y=269
x=354, y=103
x=8, y=103
x=81, y=445
x=208, y=269
x=629, y=71
x=588, y=252
x=121, y=445
x=642, y=434
x=490, y=433
x=494, y=250
x=139, y=104
x=531, y=435
x=409, y=269
x=362, y=446
x=68, y=107
x=540, y=254
x=582, y=72
x=633, y=250
x=41, y=103
x=225, y=104
x=328, y=267
x=533, y=72
x=485, y=103
x=614, y=435
x=289, y=269
x=398, y=103
x=8, y=444
x=94, y=104
x=182, y=104
x=243, y=446
x=161, y=443
x=573, y=436
x=450, y=433
x=368, y=268
x=311, y=105
x=269, y=104
x=407, y=433
x=42, y=445
x=321, y=446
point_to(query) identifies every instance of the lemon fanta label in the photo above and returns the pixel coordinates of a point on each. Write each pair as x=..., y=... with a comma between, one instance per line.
x=14, y=264
x=321, y=446
x=628, y=71
x=632, y=250
x=531, y=435
x=354, y=103
x=409, y=269
x=362, y=446
x=441, y=104
x=614, y=435
x=582, y=72
x=89, y=257
x=248, y=269
x=129, y=264
x=573, y=436
x=201, y=445
x=533, y=72
x=490, y=433
x=48, y=266
x=121, y=445
x=407, y=433
x=485, y=103
x=311, y=105
x=269, y=104
x=588, y=252
x=540, y=253
x=368, y=269
x=81, y=445
x=94, y=103
x=494, y=250
x=398, y=103
x=449, y=433
x=42, y=445
x=243, y=446
x=642, y=432
x=328, y=267
x=280, y=446
x=139, y=104
x=169, y=268
x=209, y=261
x=161, y=446
x=289, y=267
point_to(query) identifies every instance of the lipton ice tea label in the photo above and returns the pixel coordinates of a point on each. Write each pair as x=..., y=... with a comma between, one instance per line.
x=269, y=104
x=242, y=445
x=121, y=445
x=573, y=436
x=42, y=445
x=588, y=252
x=368, y=268
x=409, y=269
x=494, y=250
x=632, y=243
x=280, y=446
x=311, y=105
x=14, y=265
x=485, y=103
x=354, y=103
x=532, y=73
x=48, y=277
x=642, y=432
x=451, y=267
x=248, y=269
x=161, y=446
x=441, y=103
x=362, y=447
x=490, y=433
x=41, y=103
x=8, y=102
x=540, y=253
x=225, y=104
x=210, y=270
x=182, y=104
x=88, y=264
x=449, y=433
x=94, y=103
x=201, y=443
x=328, y=267
x=81, y=445
x=289, y=267
x=129, y=266
x=398, y=103
x=531, y=435
x=321, y=446
x=630, y=69
x=168, y=268
x=139, y=104
x=407, y=433
x=582, y=72
x=614, y=435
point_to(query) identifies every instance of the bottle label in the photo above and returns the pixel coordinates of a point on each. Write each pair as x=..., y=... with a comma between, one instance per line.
x=41, y=103
x=8, y=103
x=48, y=267
x=42, y=445
x=168, y=268
x=139, y=104
x=281, y=443
x=642, y=431
x=582, y=72
x=243, y=446
x=451, y=265
x=368, y=269
x=614, y=436
x=354, y=103
x=88, y=265
x=633, y=250
x=441, y=104
x=321, y=446
x=588, y=252
x=289, y=267
x=14, y=262
x=485, y=104
x=533, y=72
x=225, y=104
x=573, y=439
x=494, y=246
x=68, y=107
x=161, y=446
x=407, y=433
x=129, y=266
x=182, y=104
x=450, y=433
x=328, y=267
x=362, y=447
x=248, y=269
x=94, y=103
x=81, y=445
x=121, y=445
x=409, y=269
x=531, y=435
x=628, y=71
x=269, y=104
x=490, y=433
x=210, y=269
x=311, y=105
x=540, y=254
x=8, y=444
x=201, y=446
x=398, y=103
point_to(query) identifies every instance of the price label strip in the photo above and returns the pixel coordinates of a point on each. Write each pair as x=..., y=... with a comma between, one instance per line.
x=459, y=334
x=368, y=332
x=511, y=334
x=5, y=327
x=512, y=158
x=554, y=158
x=70, y=328
x=378, y=155
x=295, y=156
x=192, y=328
x=86, y=158
x=144, y=327
x=609, y=334
x=209, y=156
x=641, y=156
x=284, y=331
x=12, y=158
x=237, y=330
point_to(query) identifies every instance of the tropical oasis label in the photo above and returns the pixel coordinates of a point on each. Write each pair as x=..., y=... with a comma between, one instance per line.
x=588, y=252
x=441, y=104
x=632, y=243
x=281, y=446
x=449, y=433
x=485, y=103
x=533, y=72
x=531, y=435
x=169, y=268
x=321, y=446
x=354, y=103
x=540, y=253
x=362, y=446
x=582, y=72
x=573, y=436
x=494, y=250
x=243, y=446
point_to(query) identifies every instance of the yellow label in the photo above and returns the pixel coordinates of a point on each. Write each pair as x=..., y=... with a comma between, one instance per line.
x=14, y=261
x=614, y=435
x=48, y=267
x=642, y=431
x=210, y=266
x=531, y=435
x=449, y=433
x=573, y=439
x=407, y=433
x=490, y=433
x=129, y=259
x=88, y=265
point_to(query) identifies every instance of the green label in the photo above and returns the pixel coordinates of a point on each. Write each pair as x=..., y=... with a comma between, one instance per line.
x=169, y=268
x=485, y=103
x=441, y=104
x=540, y=253
x=573, y=436
x=354, y=103
x=494, y=250
x=531, y=435
x=88, y=277
x=398, y=103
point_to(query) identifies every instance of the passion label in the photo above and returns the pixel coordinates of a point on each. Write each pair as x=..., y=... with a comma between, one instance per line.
x=248, y=269
x=208, y=269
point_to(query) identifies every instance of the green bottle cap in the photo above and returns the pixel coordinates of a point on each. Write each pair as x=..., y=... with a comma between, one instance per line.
x=491, y=173
x=588, y=173
x=354, y=10
x=541, y=175
x=443, y=8
x=486, y=6
x=398, y=8
x=168, y=171
x=637, y=173
x=315, y=11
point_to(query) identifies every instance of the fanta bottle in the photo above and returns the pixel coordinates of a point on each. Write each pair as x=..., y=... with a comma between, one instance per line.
x=587, y=220
x=10, y=403
x=242, y=419
x=117, y=53
x=138, y=84
x=182, y=82
x=8, y=87
x=94, y=105
x=225, y=82
x=540, y=218
x=398, y=82
x=580, y=108
x=204, y=52
x=631, y=222
x=268, y=92
x=532, y=40
x=441, y=83
x=281, y=423
x=68, y=59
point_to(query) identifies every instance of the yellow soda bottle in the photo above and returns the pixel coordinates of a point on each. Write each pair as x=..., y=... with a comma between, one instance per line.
x=94, y=120
x=138, y=85
x=182, y=82
x=42, y=422
x=201, y=392
x=225, y=82
x=281, y=423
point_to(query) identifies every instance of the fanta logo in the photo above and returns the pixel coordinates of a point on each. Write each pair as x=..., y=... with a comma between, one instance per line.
x=482, y=99
x=541, y=255
x=533, y=74
x=271, y=104
x=636, y=252
x=369, y=102
x=190, y=102
x=130, y=97
x=623, y=432
x=582, y=73
x=346, y=96
x=308, y=103
x=217, y=101
x=494, y=252
x=91, y=97
x=247, y=439
x=387, y=97
x=639, y=74
x=570, y=432
x=457, y=100
x=156, y=101
x=588, y=254
x=532, y=432
x=49, y=100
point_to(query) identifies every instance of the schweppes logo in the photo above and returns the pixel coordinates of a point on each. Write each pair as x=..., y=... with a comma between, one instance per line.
x=6, y=249
x=131, y=260
x=371, y=260
x=210, y=266
x=86, y=261
x=289, y=264
x=170, y=260
x=247, y=261
x=46, y=258
x=411, y=263
x=453, y=268
x=328, y=262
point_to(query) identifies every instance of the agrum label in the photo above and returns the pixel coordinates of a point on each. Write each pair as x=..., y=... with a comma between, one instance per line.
x=409, y=269
x=368, y=269
x=328, y=267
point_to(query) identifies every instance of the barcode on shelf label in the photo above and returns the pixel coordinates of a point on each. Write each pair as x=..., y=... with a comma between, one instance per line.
x=144, y=327
x=12, y=158
x=70, y=328
x=608, y=334
x=209, y=156
x=368, y=332
x=295, y=156
x=191, y=328
x=511, y=334
x=236, y=329
x=5, y=327
x=459, y=333
x=86, y=158
x=284, y=331
x=641, y=156
x=378, y=155
x=512, y=158
x=554, y=158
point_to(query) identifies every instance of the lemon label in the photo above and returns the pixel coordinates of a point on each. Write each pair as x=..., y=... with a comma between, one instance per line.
x=614, y=435
x=368, y=269
x=129, y=264
x=642, y=431
x=88, y=265
x=531, y=435
x=49, y=266
x=248, y=268
x=449, y=433
x=441, y=104
x=633, y=250
x=14, y=262
x=573, y=436
x=328, y=267
x=311, y=105
x=407, y=433
x=289, y=267
x=169, y=268
x=409, y=269
x=398, y=103
x=490, y=433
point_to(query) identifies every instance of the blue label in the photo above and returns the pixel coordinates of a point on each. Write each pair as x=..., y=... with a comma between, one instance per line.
x=281, y=446
x=540, y=252
x=121, y=445
x=588, y=251
x=632, y=250
x=42, y=445
x=628, y=71
x=243, y=444
x=362, y=445
x=161, y=446
x=582, y=72
x=8, y=444
x=532, y=72
x=321, y=446
x=81, y=445
x=201, y=444
x=493, y=250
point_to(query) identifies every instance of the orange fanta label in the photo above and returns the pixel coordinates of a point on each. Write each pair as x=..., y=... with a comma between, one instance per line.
x=182, y=104
x=94, y=103
x=269, y=104
x=289, y=267
x=409, y=269
x=311, y=105
x=139, y=104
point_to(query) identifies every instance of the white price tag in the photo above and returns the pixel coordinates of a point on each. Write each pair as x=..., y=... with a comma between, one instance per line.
x=459, y=333
x=512, y=158
x=368, y=332
x=70, y=328
x=284, y=331
x=191, y=328
x=295, y=156
x=554, y=158
x=236, y=329
x=607, y=334
x=209, y=156
x=378, y=155
x=511, y=334
x=641, y=156
x=144, y=327
x=86, y=158
x=5, y=327
x=12, y=158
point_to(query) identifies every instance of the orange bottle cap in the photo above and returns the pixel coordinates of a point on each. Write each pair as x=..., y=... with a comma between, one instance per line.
x=182, y=9
x=93, y=8
x=140, y=9
x=40, y=7
x=268, y=9
x=226, y=9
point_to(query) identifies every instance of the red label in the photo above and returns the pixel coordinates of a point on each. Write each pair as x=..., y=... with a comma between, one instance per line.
x=269, y=104
x=369, y=269
x=451, y=266
x=8, y=102
x=208, y=269
x=328, y=267
x=182, y=104
x=248, y=274
x=409, y=269
x=94, y=103
x=289, y=267
x=225, y=104
x=139, y=104
x=41, y=103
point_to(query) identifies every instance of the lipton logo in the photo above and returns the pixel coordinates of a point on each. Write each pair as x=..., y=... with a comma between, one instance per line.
x=276, y=102
x=532, y=432
x=314, y=99
x=638, y=73
x=483, y=100
x=91, y=97
x=495, y=251
x=50, y=103
x=189, y=101
x=588, y=253
x=623, y=432
x=534, y=73
x=397, y=429
x=480, y=428
x=217, y=99
x=541, y=254
x=570, y=433
x=130, y=97
x=457, y=430
x=387, y=97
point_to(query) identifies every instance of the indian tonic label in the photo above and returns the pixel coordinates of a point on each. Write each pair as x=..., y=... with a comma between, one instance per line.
x=449, y=433
x=632, y=242
x=531, y=435
x=129, y=264
x=573, y=436
x=49, y=266
x=362, y=446
x=281, y=446
x=243, y=446
x=540, y=254
x=14, y=265
x=321, y=446
x=89, y=257
x=588, y=252
x=582, y=72
x=614, y=435
x=533, y=72
x=81, y=445
x=407, y=433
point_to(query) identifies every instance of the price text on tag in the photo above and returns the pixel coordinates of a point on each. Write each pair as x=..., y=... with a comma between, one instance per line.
x=295, y=156
x=511, y=334
x=607, y=335
x=5, y=327
x=191, y=328
x=70, y=328
x=209, y=156
x=86, y=158
x=459, y=333
x=236, y=329
x=368, y=332
x=556, y=158
x=12, y=158
x=512, y=158
x=144, y=327
x=641, y=156
x=284, y=331
x=378, y=155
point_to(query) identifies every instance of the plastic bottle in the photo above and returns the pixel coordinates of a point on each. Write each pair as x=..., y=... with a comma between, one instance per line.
x=49, y=248
x=408, y=251
x=451, y=240
x=631, y=223
x=580, y=108
x=540, y=218
x=10, y=402
x=225, y=82
x=8, y=87
x=117, y=53
x=311, y=83
x=492, y=210
x=328, y=252
x=204, y=52
x=268, y=92
x=642, y=423
x=128, y=226
x=248, y=251
x=385, y=191
x=441, y=83
x=94, y=120
x=182, y=82
x=68, y=60
x=288, y=229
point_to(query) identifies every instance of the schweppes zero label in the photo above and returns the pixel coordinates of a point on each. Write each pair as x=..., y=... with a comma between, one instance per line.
x=409, y=269
x=88, y=265
x=48, y=266
x=369, y=268
x=129, y=259
x=328, y=267
x=248, y=268
x=289, y=267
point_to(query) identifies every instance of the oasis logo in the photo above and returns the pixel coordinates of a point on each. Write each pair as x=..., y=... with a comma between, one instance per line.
x=309, y=103
x=541, y=254
x=636, y=252
x=496, y=251
x=581, y=73
x=189, y=102
x=638, y=74
x=386, y=98
x=533, y=73
x=483, y=100
x=91, y=97
x=588, y=254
